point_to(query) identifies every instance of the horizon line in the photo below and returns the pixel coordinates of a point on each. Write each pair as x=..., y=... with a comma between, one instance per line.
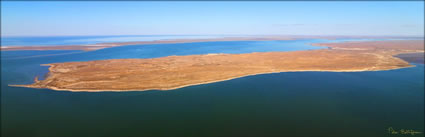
x=125, y=35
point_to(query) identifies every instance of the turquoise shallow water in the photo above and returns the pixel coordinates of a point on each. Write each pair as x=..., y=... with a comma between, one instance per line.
x=281, y=104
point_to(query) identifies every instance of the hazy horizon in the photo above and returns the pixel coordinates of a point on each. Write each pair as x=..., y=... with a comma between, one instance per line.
x=419, y=36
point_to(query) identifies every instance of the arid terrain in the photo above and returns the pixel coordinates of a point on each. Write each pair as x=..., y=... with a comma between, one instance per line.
x=179, y=71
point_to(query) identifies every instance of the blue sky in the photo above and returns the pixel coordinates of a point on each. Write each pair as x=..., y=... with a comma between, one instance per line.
x=212, y=18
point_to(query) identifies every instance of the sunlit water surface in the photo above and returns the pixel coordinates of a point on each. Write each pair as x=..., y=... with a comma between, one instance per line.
x=281, y=104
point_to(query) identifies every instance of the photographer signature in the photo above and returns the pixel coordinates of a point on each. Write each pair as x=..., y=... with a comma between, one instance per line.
x=391, y=130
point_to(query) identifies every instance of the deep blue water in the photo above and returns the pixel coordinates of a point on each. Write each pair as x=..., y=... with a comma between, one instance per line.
x=281, y=104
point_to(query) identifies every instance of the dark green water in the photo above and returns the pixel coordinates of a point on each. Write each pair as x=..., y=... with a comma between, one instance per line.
x=357, y=104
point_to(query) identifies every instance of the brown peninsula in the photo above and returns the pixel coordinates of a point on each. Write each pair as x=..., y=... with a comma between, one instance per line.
x=179, y=71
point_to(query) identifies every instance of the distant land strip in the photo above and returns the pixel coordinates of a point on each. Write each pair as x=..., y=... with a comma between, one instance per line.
x=97, y=46
x=173, y=72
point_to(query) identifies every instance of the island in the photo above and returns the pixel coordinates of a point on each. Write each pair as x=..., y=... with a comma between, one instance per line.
x=173, y=72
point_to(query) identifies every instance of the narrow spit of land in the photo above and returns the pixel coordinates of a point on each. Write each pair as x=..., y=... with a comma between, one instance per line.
x=179, y=71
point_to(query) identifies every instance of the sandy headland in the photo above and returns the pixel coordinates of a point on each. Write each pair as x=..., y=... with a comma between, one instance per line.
x=179, y=71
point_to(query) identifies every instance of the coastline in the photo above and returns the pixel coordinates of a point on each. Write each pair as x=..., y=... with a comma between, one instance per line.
x=375, y=56
x=166, y=89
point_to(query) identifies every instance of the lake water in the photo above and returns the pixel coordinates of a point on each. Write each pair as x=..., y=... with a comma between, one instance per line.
x=281, y=104
x=81, y=40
